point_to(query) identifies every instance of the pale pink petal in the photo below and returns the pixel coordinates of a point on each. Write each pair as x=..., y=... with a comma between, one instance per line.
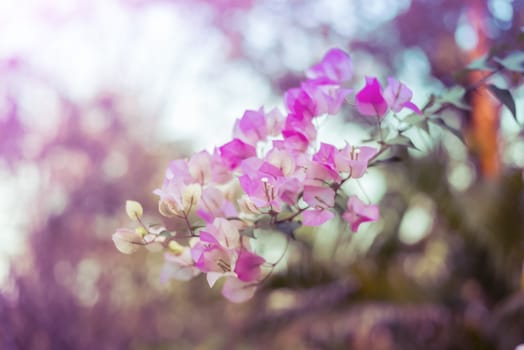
x=288, y=189
x=275, y=122
x=319, y=174
x=325, y=155
x=238, y=291
x=234, y=152
x=398, y=96
x=213, y=204
x=319, y=196
x=316, y=217
x=180, y=267
x=354, y=160
x=358, y=212
x=220, y=172
x=252, y=127
x=178, y=169
x=335, y=67
x=199, y=166
x=326, y=99
x=304, y=125
x=293, y=141
x=226, y=232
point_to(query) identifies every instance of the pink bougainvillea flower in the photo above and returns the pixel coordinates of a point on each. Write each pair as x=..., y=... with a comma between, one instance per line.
x=252, y=127
x=319, y=174
x=220, y=171
x=316, y=217
x=216, y=249
x=354, y=160
x=313, y=99
x=302, y=124
x=283, y=159
x=256, y=126
x=178, y=265
x=247, y=266
x=335, y=67
x=320, y=199
x=238, y=291
x=370, y=101
x=200, y=167
x=234, y=152
x=275, y=122
x=213, y=204
x=327, y=99
x=260, y=169
x=179, y=169
x=358, y=212
x=326, y=155
x=293, y=141
x=177, y=198
x=300, y=103
x=266, y=186
x=319, y=196
x=221, y=252
x=398, y=96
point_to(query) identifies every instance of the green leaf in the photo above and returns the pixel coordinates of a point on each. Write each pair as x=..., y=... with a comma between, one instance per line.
x=341, y=200
x=166, y=233
x=248, y=232
x=513, y=62
x=417, y=121
x=424, y=126
x=443, y=125
x=402, y=140
x=413, y=119
x=504, y=96
x=288, y=227
x=455, y=96
x=480, y=64
x=394, y=159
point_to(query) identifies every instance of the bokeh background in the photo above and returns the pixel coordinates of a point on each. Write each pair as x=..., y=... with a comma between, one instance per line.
x=96, y=96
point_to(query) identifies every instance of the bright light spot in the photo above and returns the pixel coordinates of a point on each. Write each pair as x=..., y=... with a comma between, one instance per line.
x=465, y=36
x=115, y=165
x=417, y=222
x=515, y=154
x=86, y=290
x=15, y=206
x=501, y=9
x=370, y=188
x=281, y=299
x=461, y=176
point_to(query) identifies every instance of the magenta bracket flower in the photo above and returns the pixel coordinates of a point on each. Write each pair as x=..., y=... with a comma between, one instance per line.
x=370, y=101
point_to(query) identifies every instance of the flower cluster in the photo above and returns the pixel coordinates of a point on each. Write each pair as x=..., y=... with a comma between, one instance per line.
x=274, y=173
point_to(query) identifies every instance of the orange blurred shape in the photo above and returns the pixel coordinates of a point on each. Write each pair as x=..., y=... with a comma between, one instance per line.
x=485, y=111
